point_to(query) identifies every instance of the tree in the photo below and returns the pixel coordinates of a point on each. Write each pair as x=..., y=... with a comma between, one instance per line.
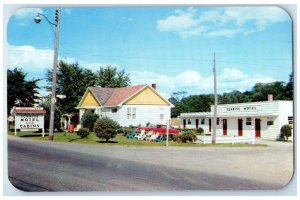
x=178, y=96
x=109, y=76
x=286, y=131
x=72, y=81
x=20, y=92
x=261, y=91
x=47, y=105
x=106, y=128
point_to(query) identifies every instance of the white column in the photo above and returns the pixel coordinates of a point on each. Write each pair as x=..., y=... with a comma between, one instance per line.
x=253, y=134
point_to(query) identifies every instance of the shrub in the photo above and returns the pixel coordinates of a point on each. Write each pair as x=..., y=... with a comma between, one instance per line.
x=126, y=130
x=286, y=131
x=83, y=132
x=199, y=131
x=188, y=137
x=106, y=128
x=175, y=138
x=88, y=119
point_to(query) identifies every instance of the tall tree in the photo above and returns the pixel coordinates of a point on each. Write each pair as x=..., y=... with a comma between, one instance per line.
x=109, y=76
x=261, y=91
x=72, y=81
x=20, y=92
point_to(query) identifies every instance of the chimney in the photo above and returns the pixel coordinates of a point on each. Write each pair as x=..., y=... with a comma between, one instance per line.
x=153, y=86
x=270, y=97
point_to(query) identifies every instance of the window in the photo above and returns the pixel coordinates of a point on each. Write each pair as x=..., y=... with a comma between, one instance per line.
x=114, y=110
x=128, y=113
x=189, y=121
x=131, y=113
x=248, y=121
x=290, y=119
x=161, y=116
x=270, y=122
x=202, y=121
x=218, y=121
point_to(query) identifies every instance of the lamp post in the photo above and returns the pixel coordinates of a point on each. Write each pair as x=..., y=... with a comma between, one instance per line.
x=37, y=20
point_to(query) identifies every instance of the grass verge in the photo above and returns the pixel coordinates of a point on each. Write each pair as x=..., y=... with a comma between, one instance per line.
x=119, y=140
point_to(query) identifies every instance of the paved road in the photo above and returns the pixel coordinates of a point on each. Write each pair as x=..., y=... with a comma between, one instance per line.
x=53, y=166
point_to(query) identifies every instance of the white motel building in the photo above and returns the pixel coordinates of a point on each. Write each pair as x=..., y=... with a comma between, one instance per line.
x=265, y=118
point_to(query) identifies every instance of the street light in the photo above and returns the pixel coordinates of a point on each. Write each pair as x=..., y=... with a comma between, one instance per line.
x=37, y=20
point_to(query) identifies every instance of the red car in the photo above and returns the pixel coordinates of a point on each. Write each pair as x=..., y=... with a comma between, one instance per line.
x=160, y=130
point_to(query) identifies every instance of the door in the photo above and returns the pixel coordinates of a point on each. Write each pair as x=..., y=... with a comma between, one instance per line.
x=197, y=123
x=224, y=126
x=240, y=127
x=257, y=127
x=209, y=125
x=184, y=123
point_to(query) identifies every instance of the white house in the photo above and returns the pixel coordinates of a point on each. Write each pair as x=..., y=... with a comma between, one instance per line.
x=266, y=118
x=133, y=105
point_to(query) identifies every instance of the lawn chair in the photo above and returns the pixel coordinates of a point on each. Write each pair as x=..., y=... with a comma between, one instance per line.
x=154, y=137
x=148, y=135
x=132, y=134
x=142, y=135
x=160, y=139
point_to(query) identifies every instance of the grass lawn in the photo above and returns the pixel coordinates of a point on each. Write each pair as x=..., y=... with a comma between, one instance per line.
x=118, y=140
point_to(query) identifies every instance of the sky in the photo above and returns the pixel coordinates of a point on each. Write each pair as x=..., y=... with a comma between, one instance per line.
x=171, y=46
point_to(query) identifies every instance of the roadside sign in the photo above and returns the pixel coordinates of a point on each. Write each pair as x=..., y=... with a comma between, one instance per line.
x=53, y=100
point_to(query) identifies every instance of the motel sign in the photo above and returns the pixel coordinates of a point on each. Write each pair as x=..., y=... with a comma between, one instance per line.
x=29, y=118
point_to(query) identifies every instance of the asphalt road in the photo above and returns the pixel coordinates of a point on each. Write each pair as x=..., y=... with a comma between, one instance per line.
x=52, y=166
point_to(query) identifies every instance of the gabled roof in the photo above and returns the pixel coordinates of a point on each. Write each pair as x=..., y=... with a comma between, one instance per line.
x=111, y=97
x=102, y=94
x=119, y=95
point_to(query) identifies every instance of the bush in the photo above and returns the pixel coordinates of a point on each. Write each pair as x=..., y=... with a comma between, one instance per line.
x=188, y=137
x=88, y=120
x=199, y=131
x=106, y=128
x=83, y=132
x=126, y=130
x=175, y=138
x=286, y=131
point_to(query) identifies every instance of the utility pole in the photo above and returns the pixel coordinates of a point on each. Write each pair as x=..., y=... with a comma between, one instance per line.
x=53, y=92
x=213, y=139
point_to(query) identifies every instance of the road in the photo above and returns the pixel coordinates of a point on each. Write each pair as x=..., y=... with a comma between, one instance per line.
x=54, y=166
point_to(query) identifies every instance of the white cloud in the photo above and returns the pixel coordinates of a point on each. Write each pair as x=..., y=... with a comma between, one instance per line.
x=194, y=83
x=224, y=32
x=222, y=22
x=181, y=22
x=29, y=57
x=33, y=60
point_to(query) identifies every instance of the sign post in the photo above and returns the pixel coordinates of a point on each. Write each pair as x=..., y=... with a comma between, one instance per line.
x=167, y=139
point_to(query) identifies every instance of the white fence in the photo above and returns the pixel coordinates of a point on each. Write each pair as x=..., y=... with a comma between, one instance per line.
x=227, y=139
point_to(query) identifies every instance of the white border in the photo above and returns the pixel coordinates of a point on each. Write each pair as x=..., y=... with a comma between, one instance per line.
x=6, y=11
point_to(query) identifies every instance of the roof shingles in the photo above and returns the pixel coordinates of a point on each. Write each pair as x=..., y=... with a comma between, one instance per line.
x=114, y=96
